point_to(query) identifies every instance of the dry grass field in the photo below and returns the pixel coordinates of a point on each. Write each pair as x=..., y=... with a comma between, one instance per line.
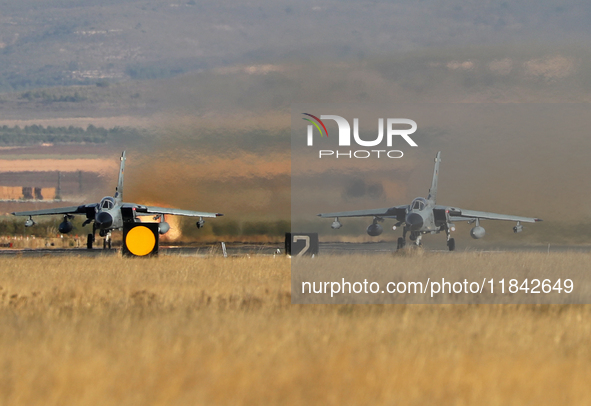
x=214, y=331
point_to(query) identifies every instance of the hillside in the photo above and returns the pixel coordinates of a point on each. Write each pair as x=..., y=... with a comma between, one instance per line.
x=66, y=42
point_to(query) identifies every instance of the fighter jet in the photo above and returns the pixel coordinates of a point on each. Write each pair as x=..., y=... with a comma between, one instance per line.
x=111, y=213
x=424, y=216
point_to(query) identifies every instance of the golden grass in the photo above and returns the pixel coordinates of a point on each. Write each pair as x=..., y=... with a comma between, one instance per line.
x=180, y=330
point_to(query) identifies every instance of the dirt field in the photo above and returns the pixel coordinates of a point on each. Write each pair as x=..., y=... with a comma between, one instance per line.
x=65, y=165
x=180, y=331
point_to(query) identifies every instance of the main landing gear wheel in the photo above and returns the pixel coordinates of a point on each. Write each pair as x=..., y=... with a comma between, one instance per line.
x=451, y=244
x=89, y=241
x=401, y=243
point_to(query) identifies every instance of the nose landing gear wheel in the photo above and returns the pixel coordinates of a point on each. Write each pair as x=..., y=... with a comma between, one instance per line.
x=451, y=244
x=107, y=240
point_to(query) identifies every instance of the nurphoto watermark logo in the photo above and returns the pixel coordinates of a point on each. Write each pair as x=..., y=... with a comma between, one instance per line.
x=395, y=127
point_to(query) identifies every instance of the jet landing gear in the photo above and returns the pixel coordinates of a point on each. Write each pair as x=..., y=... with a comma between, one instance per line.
x=401, y=243
x=89, y=241
x=414, y=237
x=451, y=243
x=107, y=241
x=90, y=238
x=402, y=240
x=418, y=239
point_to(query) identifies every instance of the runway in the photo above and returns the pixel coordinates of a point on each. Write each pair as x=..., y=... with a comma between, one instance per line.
x=388, y=247
x=329, y=248
x=197, y=251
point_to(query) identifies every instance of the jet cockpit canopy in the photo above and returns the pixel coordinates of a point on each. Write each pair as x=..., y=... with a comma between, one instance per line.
x=107, y=203
x=418, y=204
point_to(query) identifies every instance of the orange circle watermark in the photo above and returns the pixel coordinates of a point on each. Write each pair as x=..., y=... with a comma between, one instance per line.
x=140, y=241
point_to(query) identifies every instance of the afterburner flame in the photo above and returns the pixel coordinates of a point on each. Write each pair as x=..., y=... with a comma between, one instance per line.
x=174, y=233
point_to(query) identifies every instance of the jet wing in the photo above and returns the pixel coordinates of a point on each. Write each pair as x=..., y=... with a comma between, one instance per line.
x=57, y=210
x=461, y=214
x=387, y=212
x=140, y=210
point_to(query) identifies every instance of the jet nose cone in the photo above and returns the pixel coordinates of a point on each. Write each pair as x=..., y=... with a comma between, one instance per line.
x=414, y=221
x=104, y=220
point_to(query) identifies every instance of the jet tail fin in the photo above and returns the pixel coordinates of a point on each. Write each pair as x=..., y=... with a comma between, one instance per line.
x=119, y=190
x=433, y=191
